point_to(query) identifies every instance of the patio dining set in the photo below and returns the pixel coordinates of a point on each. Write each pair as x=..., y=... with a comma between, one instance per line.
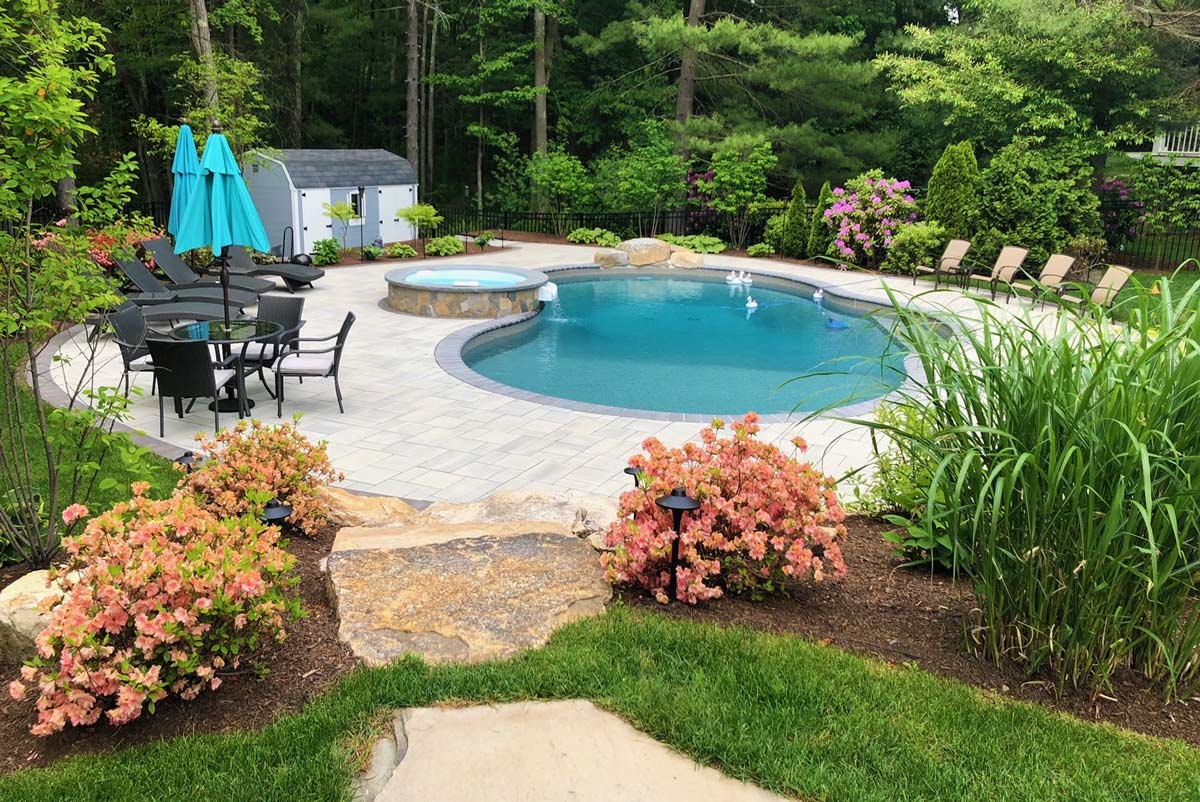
x=211, y=348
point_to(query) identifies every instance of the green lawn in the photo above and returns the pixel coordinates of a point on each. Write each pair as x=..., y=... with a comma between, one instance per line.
x=799, y=718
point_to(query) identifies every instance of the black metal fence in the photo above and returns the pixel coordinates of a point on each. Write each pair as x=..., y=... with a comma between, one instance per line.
x=47, y=214
x=1154, y=248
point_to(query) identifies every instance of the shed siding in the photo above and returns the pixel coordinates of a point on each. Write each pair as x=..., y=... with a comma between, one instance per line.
x=271, y=192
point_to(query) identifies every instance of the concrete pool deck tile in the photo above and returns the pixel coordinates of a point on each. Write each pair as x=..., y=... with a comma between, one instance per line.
x=404, y=411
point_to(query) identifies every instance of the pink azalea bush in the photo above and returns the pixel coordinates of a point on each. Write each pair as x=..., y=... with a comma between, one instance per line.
x=865, y=215
x=159, y=598
x=765, y=519
x=253, y=461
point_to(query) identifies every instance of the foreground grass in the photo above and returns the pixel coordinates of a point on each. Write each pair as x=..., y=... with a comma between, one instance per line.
x=798, y=718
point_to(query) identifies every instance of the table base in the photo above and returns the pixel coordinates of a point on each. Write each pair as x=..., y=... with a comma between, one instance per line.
x=230, y=404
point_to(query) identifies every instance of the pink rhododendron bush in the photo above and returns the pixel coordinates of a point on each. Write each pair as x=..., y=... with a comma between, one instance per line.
x=254, y=461
x=865, y=216
x=765, y=519
x=160, y=598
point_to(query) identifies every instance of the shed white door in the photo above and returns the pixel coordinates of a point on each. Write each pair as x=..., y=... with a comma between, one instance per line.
x=314, y=223
x=391, y=200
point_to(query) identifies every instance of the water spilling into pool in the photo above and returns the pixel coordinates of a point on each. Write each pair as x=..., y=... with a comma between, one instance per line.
x=674, y=344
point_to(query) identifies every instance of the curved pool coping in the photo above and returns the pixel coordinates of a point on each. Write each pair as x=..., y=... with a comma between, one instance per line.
x=532, y=278
x=449, y=353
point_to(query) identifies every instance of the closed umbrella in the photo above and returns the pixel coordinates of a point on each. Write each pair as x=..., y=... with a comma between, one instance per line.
x=219, y=212
x=186, y=169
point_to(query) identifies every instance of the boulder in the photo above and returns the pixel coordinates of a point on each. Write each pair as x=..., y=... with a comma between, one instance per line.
x=24, y=614
x=611, y=259
x=581, y=515
x=351, y=509
x=645, y=250
x=686, y=259
x=460, y=592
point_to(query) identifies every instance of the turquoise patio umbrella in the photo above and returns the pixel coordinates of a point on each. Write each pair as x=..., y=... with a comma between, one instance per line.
x=219, y=212
x=186, y=170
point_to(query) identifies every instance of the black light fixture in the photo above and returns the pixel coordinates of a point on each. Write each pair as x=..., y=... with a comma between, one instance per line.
x=186, y=461
x=632, y=471
x=362, y=219
x=678, y=502
x=275, y=513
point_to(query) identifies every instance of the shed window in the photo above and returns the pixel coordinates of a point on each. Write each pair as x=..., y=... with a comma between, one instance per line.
x=356, y=203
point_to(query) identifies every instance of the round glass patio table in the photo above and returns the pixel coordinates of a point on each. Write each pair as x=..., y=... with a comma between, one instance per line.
x=215, y=332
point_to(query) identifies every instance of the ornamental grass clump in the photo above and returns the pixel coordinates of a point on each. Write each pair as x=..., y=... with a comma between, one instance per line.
x=765, y=519
x=252, y=462
x=1064, y=475
x=865, y=216
x=160, y=598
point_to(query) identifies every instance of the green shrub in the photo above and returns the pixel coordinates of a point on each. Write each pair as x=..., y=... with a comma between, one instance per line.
x=773, y=231
x=399, y=250
x=372, y=252
x=1038, y=197
x=697, y=243
x=483, y=239
x=914, y=244
x=793, y=238
x=422, y=216
x=326, y=252
x=954, y=187
x=760, y=249
x=820, y=236
x=448, y=245
x=1068, y=467
x=594, y=236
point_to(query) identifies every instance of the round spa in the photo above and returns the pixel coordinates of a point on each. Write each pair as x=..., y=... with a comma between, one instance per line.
x=458, y=291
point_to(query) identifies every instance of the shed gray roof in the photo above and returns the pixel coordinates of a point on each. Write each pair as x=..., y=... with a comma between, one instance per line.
x=339, y=167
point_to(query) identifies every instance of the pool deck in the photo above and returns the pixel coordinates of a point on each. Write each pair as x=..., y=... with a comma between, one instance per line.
x=413, y=430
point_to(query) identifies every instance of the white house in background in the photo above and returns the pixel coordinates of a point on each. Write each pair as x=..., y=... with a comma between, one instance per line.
x=1178, y=143
x=290, y=188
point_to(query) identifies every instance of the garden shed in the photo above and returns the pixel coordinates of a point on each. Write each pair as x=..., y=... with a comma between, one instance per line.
x=290, y=188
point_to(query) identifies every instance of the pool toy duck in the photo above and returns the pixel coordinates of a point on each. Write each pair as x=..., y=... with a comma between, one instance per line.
x=751, y=303
x=818, y=296
x=746, y=278
x=733, y=278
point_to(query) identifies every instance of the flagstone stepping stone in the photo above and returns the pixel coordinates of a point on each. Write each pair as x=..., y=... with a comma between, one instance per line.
x=460, y=592
x=537, y=752
x=582, y=515
x=352, y=509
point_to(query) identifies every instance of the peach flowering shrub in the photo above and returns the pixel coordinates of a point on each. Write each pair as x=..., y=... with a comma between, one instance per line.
x=765, y=519
x=274, y=461
x=159, y=598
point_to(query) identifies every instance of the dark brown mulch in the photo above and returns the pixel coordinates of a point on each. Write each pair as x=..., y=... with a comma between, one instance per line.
x=905, y=615
x=302, y=666
x=350, y=256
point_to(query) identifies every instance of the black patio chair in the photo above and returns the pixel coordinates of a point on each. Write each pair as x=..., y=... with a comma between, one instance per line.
x=318, y=363
x=148, y=283
x=284, y=310
x=293, y=276
x=129, y=333
x=182, y=276
x=184, y=369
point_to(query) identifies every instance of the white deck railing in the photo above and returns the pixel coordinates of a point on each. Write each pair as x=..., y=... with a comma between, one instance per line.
x=1179, y=141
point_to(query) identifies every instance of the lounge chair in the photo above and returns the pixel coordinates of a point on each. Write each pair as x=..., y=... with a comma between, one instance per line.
x=284, y=310
x=293, y=276
x=184, y=369
x=312, y=363
x=1107, y=290
x=182, y=276
x=1006, y=267
x=147, y=282
x=949, y=265
x=1051, y=279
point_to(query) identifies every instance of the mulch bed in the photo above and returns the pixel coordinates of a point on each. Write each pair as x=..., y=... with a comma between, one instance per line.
x=350, y=257
x=905, y=615
x=301, y=667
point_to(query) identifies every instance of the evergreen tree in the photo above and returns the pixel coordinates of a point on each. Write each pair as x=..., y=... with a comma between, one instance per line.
x=954, y=189
x=794, y=241
x=819, y=235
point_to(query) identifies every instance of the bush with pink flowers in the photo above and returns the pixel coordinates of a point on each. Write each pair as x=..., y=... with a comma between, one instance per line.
x=765, y=519
x=273, y=461
x=160, y=598
x=866, y=214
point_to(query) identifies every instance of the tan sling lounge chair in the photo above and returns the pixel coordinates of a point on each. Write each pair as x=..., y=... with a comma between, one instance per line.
x=1106, y=291
x=949, y=265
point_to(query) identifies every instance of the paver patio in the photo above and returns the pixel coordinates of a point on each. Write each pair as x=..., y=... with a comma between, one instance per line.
x=412, y=430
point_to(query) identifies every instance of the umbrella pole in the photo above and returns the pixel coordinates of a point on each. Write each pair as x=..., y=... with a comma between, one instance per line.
x=225, y=288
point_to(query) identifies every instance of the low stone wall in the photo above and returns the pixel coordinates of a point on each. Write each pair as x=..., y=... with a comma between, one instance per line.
x=450, y=303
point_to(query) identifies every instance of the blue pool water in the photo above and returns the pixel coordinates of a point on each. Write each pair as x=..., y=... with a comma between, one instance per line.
x=688, y=345
x=465, y=277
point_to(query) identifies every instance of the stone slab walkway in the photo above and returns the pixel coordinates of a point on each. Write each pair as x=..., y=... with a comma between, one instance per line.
x=413, y=431
x=541, y=752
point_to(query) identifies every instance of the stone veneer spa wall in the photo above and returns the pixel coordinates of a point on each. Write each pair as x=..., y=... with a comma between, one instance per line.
x=470, y=292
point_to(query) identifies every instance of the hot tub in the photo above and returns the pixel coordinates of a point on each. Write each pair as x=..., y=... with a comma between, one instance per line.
x=458, y=291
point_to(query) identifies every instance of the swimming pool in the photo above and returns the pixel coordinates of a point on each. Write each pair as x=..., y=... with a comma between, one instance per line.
x=688, y=344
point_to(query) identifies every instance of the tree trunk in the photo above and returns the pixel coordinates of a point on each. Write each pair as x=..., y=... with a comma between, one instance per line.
x=202, y=44
x=539, y=80
x=412, y=84
x=430, y=71
x=687, y=80
x=479, y=166
x=66, y=196
x=296, y=117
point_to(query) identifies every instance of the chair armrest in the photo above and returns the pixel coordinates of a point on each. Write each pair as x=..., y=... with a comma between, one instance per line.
x=311, y=352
